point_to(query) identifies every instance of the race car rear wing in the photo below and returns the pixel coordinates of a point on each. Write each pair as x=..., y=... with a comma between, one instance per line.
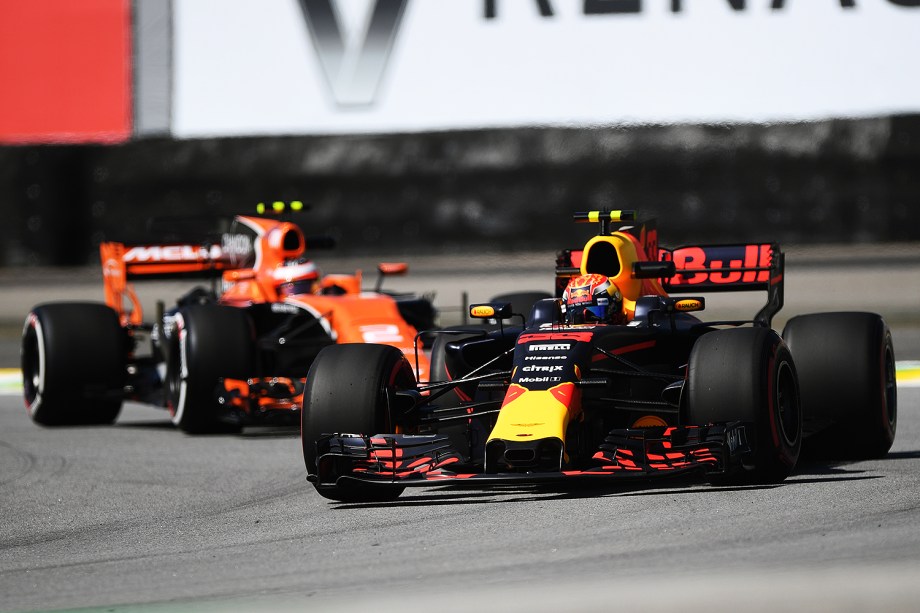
x=122, y=262
x=723, y=268
x=703, y=269
x=169, y=260
x=696, y=268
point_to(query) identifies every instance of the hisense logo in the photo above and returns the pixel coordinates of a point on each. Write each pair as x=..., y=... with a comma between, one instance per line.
x=354, y=63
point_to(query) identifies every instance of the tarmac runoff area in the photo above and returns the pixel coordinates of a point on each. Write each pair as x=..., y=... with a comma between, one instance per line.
x=881, y=278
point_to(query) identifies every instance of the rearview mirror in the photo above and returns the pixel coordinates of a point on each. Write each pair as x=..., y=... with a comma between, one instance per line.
x=389, y=269
x=687, y=305
x=491, y=310
x=392, y=268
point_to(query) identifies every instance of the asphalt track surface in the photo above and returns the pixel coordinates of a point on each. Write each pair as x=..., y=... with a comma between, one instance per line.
x=139, y=517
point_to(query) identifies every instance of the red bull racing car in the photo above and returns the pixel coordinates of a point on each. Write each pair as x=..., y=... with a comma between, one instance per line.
x=617, y=377
x=222, y=357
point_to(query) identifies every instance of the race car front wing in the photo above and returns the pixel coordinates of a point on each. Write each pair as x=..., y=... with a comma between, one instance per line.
x=419, y=460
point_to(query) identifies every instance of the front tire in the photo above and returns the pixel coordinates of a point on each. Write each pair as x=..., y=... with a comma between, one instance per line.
x=73, y=360
x=212, y=342
x=846, y=371
x=747, y=375
x=348, y=390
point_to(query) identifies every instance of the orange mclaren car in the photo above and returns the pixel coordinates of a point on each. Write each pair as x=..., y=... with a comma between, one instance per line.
x=232, y=354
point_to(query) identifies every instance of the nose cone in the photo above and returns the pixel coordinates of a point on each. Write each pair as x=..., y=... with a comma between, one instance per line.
x=530, y=430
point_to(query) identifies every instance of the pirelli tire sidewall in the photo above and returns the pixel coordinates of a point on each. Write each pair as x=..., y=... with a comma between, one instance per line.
x=210, y=342
x=73, y=360
x=748, y=375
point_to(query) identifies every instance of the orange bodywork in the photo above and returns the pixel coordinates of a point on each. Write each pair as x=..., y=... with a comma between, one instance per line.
x=117, y=290
x=346, y=312
x=276, y=243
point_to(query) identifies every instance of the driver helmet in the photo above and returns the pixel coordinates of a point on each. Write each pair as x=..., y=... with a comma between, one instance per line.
x=297, y=276
x=592, y=299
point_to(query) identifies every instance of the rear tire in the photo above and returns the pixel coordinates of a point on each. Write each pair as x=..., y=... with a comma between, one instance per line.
x=73, y=364
x=747, y=375
x=212, y=342
x=347, y=392
x=846, y=369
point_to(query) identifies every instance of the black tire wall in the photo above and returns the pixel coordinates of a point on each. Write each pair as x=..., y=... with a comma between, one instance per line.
x=73, y=362
x=747, y=375
x=846, y=374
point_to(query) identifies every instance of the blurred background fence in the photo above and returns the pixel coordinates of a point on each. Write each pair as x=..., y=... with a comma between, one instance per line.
x=501, y=190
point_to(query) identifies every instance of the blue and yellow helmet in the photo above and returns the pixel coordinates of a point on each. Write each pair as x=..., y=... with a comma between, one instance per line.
x=592, y=299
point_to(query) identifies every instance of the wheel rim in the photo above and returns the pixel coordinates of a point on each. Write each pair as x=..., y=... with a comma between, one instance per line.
x=787, y=404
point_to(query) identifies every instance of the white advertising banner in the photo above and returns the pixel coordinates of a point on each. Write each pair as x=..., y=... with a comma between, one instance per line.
x=260, y=67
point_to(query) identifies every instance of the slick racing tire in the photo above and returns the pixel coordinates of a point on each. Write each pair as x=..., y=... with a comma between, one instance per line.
x=747, y=375
x=73, y=364
x=211, y=342
x=347, y=392
x=846, y=369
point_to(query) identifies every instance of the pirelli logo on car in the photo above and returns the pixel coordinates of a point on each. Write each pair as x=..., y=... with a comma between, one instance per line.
x=550, y=347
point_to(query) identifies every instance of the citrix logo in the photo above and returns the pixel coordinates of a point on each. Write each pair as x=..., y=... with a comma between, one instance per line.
x=353, y=67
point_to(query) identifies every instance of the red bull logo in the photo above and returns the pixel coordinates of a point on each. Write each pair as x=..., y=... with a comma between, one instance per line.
x=579, y=295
